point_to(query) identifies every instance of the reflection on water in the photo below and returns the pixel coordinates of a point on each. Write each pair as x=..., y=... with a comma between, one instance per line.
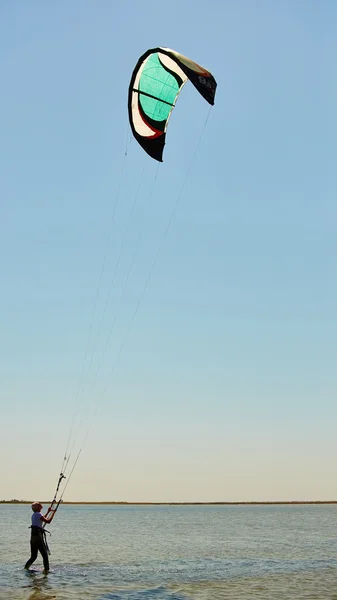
x=39, y=587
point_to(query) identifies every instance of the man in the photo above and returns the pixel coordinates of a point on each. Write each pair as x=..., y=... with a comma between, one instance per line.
x=37, y=538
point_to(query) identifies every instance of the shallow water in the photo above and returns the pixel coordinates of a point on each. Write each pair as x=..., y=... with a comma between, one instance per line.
x=174, y=553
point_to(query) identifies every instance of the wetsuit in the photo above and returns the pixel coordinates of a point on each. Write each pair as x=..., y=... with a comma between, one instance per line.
x=37, y=542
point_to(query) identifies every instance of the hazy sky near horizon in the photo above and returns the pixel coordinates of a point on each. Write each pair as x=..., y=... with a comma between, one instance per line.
x=215, y=378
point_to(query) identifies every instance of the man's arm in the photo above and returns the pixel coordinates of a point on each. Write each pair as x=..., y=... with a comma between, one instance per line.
x=46, y=519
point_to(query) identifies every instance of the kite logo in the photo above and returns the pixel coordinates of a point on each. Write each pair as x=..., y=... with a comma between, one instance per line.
x=206, y=82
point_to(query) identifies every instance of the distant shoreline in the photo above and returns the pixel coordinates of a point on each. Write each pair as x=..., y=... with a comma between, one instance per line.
x=121, y=503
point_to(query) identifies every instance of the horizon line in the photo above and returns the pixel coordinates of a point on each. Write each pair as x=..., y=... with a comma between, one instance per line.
x=178, y=503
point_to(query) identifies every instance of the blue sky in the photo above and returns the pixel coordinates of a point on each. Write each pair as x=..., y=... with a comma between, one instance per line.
x=223, y=386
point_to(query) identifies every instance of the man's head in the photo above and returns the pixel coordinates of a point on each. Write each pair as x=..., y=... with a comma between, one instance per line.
x=36, y=506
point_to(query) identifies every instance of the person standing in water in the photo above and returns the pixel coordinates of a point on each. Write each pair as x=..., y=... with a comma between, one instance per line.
x=37, y=538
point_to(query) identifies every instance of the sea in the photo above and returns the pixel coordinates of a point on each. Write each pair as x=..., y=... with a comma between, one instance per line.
x=139, y=552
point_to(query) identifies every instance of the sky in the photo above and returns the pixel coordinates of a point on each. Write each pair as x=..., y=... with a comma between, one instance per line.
x=177, y=321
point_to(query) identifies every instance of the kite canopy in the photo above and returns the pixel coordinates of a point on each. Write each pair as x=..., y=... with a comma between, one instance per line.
x=155, y=84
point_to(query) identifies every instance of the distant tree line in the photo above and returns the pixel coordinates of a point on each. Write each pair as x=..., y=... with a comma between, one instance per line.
x=14, y=501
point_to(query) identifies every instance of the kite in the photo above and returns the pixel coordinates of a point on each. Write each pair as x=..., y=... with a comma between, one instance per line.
x=155, y=85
